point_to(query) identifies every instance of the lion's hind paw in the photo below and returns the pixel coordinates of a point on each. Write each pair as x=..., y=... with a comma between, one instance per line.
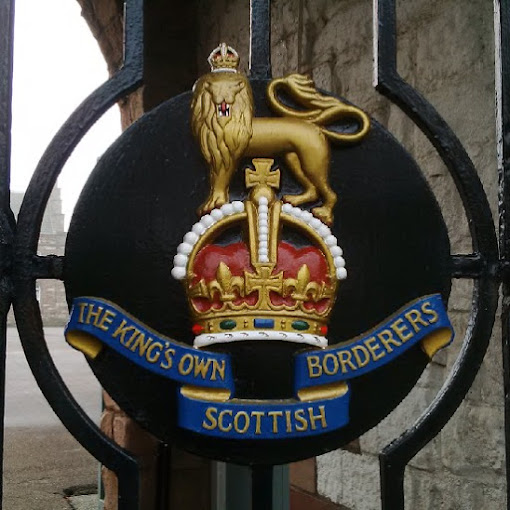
x=324, y=214
x=210, y=204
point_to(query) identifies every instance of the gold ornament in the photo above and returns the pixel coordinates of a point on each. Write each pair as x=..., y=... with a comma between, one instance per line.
x=264, y=218
x=222, y=121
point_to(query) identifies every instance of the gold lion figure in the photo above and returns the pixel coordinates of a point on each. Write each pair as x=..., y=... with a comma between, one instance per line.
x=222, y=121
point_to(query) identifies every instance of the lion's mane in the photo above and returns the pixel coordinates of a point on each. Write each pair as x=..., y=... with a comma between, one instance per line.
x=222, y=146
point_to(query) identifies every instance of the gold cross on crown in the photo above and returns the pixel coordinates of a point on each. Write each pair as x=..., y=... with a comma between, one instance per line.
x=262, y=176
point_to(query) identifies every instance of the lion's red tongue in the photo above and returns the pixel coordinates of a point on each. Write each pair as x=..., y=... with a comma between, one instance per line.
x=224, y=109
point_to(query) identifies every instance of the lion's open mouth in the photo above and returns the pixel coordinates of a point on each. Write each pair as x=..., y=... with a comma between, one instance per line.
x=223, y=109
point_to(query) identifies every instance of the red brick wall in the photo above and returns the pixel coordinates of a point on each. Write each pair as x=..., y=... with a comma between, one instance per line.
x=303, y=488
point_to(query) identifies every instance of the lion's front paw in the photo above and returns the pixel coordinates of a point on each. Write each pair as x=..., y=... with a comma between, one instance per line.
x=325, y=214
x=303, y=198
x=211, y=203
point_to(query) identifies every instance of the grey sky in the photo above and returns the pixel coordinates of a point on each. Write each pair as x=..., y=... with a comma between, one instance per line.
x=57, y=63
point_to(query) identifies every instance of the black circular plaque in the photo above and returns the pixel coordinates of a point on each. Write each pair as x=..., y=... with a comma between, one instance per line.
x=142, y=198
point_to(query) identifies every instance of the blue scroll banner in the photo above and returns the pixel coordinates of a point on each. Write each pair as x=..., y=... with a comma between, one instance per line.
x=94, y=319
x=95, y=322
x=423, y=320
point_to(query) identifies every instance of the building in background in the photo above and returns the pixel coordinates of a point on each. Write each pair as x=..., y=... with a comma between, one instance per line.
x=50, y=293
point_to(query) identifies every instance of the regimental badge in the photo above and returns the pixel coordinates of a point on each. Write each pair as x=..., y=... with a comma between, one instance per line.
x=260, y=263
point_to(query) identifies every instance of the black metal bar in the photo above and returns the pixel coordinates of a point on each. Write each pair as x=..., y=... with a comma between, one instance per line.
x=134, y=37
x=395, y=457
x=260, y=39
x=6, y=47
x=7, y=224
x=48, y=266
x=502, y=63
x=467, y=266
x=260, y=69
x=28, y=266
x=163, y=476
x=262, y=488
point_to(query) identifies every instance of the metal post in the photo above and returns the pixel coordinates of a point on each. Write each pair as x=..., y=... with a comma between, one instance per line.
x=6, y=217
x=262, y=488
x=260, y=39
x=502, y=63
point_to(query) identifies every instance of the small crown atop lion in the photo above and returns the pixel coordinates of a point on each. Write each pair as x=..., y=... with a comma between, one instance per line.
x=224, y=59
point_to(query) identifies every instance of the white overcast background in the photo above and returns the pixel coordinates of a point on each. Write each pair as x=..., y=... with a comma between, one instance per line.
x=57, y=64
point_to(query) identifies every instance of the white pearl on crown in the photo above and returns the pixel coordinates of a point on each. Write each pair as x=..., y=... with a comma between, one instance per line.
x=184, y=248
x=207, y=220
x=336, y=251
x=217, y=214
x=238, y=206
x=178, y=273
x=227, y=209
x=198, y=228
x=190, y=238
x=341, y=273
x=180, y=260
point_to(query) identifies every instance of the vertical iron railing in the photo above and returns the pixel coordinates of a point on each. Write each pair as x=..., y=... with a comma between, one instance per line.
x=502, y=63
x=7, y=224
x=260, y=69
x=260, y=39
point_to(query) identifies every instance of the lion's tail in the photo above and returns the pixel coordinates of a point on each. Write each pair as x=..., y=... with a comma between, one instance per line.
x=317, y=108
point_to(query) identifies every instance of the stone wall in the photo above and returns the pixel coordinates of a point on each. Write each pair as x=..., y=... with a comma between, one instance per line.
x=446, y=51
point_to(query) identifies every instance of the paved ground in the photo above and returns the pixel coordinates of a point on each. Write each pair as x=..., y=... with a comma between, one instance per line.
x=44, y=467
x=88, y=502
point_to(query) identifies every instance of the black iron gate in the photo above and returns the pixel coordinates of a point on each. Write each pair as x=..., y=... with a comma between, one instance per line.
x=20, y=266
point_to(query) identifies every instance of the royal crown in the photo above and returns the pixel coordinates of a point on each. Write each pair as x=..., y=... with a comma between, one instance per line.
x=223, y=58
x=260, y=269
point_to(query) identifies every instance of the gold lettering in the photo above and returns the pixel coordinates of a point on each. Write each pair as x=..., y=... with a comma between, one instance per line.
x=326, y=369
x=258, y=415
x=345, y=359
x=314, y=366
x=386, y=337
x=361, y=362
x=321, y=417
x=153, y=358
x=219, y=368
x=401, y=329
x=106, y=320
x=169, y=353
x=209, y=414
x=299, y=416
x=93, y=313
x=426, y=309
x=374, y=348
x=82, y=310
x=141, y=344
x=288, y=422
x=186, y=370
x=221, y=426
x=275, y=415
x=238, y=429
x=414, y=316
x=201, y=366
x=122, y=330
